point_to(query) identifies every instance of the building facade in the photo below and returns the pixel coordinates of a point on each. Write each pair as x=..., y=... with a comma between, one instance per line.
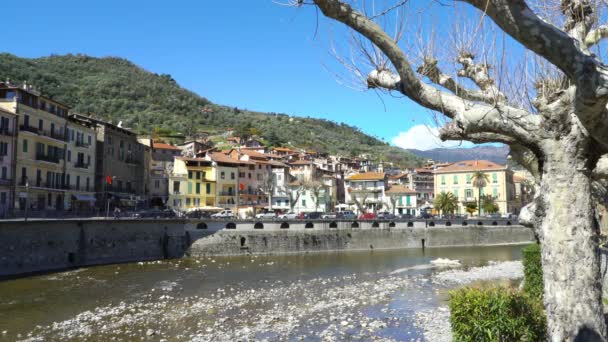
x=80, y=165
x=192, y=184
x=8, y=144
x=40, y=153
x=402, y=200
x=458, y=179
x=365, y=191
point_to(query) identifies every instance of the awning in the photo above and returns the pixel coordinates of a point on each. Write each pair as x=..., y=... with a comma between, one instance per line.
x=84, y=198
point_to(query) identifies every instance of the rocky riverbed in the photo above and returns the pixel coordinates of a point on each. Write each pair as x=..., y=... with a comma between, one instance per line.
x=402, y=304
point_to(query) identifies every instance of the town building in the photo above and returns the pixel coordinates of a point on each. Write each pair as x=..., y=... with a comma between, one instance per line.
x=121, y=169
x=161, y=166
x=365, y=191
x=227, y=179
x=458, y=179
x=192, y=184
x=8, y=145
x=402, y=200
x=307, y=198
x=41, y=143
x=195, y=148
x=80, y=154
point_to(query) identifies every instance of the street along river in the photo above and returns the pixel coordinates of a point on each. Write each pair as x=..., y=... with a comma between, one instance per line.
x=369, y=295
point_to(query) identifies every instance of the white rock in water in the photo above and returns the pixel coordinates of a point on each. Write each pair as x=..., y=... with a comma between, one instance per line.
x=150, y=332
x=445, y=262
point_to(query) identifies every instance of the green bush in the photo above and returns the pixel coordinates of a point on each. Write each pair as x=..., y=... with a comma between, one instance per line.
x=533, y=271
x=496, y=314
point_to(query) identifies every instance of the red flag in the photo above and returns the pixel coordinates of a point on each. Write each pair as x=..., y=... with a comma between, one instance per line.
x=242, y=186
x=109, y=180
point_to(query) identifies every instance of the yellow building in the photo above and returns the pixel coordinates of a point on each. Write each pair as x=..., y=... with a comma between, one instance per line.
x=192, y=184
x=227, y=179
x=458, y=179
x=41, y=145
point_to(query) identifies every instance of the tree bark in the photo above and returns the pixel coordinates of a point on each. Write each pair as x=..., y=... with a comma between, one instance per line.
x=569, y=244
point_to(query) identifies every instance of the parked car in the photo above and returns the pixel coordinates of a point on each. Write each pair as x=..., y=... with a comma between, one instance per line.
x=385, y=215
x=266, y=215
x=494, y=216
x=508, y=216
x=425, y=216
x=367, y=216
x=288, y=216
x=315, y=215
x=329, y=216
x=346, y=215
x=223, y=214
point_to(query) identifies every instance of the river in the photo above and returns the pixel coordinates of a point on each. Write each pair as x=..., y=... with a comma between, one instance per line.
x=370, y=295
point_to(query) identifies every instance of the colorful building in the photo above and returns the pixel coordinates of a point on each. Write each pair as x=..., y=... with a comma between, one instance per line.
x=192, y=184
x=401, y=200
x=365, y=191
x=227, y=179
x=458, y=179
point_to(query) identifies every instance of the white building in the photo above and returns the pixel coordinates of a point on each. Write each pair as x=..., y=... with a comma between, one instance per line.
x=401, y=200
x=365, y=191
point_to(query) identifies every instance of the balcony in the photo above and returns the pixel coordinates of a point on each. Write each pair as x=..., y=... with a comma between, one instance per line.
x=6, y=131
x=227, y=193
x=81, y=165
x=360, y=191
x=6, y=181
x=133, y=161
x=28, y=129
x=48, y=158
x=82, y=144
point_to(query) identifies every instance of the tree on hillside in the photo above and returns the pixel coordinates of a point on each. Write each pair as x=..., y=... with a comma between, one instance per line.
x=273, y=139
x=480, y=180
x=547, y=103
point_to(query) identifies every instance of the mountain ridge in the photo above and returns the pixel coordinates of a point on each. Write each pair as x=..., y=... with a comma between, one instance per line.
x=497, y=154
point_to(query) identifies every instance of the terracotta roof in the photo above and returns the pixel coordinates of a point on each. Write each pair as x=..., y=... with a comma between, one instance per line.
x=367, y=176
x=423, y=169
x=519, y=179
x=283, y=149
x=222, y=158
x=402, y=175
x=163, y=146
x=253, y=154
x=400, y=189
x=471, y=165
x=301, y=162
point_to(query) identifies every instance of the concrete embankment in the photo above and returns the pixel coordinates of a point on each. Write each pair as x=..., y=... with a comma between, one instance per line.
x=49, y=245
x=229, y=242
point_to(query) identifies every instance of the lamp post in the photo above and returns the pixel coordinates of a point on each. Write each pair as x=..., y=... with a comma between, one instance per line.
x=27, y=195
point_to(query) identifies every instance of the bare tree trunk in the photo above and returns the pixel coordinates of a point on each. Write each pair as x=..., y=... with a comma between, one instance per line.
x=569, y=243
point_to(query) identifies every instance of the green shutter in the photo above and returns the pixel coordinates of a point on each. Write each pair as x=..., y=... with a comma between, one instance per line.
x=456, y=193
x=401, y=199
x=455, y=179
x=443, y=180
x=208, y=188
x=494, y=178
x=495, y=192
x=189, y=187
x=407, y=200
x=469, y=179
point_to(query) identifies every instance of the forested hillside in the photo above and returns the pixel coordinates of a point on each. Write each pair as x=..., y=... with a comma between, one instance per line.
x=118, y=90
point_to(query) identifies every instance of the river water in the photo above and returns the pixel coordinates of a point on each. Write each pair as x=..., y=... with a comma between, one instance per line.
x=369, y=295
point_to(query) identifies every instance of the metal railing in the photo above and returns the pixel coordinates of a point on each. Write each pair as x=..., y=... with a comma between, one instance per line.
x=81, y=165
x=28, y=128
x=47, y=158
x=82, y=144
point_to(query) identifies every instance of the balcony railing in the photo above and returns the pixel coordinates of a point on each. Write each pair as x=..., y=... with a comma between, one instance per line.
x=28, y=129
x=227, y=193
x=6, y=131
x=81, y=165
x=82, y=144
x=6, y=181
x=48, y=158
x=132, y=161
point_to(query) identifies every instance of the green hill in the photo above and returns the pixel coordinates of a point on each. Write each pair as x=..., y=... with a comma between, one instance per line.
x=118, y=90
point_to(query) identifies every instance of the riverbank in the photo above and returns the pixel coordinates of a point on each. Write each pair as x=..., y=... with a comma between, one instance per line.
x=53, y=245
x=355, y=296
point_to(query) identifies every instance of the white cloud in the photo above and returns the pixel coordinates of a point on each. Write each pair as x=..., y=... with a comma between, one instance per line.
x=423, y=137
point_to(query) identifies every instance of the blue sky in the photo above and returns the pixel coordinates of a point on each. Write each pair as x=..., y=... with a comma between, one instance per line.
x=252, y=54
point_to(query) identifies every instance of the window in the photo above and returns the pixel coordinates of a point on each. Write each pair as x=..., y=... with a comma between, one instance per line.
x=188, y=201
x=442, y=180
x=190, y=173
x=67, y=180
x=175, y=187
x=469, y=193
x=198, y=175
x=2, y=197
x=259, y=167
x=38, y=177
x=455, y=180
x=50, y=199
x=4, y=172
x=198, y=188
x=469, y=179
x=89, y=140
x=249, y=174
x=223, y=175
x=208, y=188
x=3, y=149
x=24, y=145
x=495, y=192
x=69, y=155
x=88, y=160
x=156, y=184
x=40, y=124
x=23, y=175
x=231, y=175
x=495, y=178
x=242, y=174
x=77, y=182
x=189, y=187
x=87, y=186
x=303, y=202
x=456, y=193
